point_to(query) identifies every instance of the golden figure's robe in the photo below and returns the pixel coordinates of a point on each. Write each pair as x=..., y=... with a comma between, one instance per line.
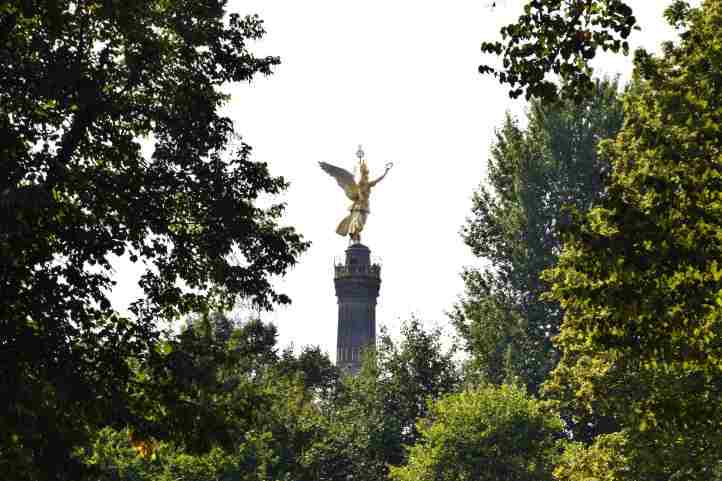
x=354, y=223
x=359, y=193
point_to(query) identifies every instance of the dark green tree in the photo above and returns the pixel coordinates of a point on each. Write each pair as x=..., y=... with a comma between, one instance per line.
x=82, y=84
x=534, y=172
x=372, y=420
x=639, y=277
x=410, y=374
x=204, y=389
x=546, y=54
x=316, y=370
x=230, y=406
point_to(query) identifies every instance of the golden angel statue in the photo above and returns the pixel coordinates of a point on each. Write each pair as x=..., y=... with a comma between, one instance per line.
x=358, y=192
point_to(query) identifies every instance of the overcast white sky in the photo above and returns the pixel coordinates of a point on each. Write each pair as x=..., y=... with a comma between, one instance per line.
x=399, y=77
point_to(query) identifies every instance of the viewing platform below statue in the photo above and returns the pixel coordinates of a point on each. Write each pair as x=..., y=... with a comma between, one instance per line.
x=343, y=270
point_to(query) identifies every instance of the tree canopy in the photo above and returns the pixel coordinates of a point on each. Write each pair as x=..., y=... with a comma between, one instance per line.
x=235, y=408
x=371, y=422
x=639, y=275
x=546, y=54
x=535, y=173
x=84, y=88
x=488, y=434
x=112, y=144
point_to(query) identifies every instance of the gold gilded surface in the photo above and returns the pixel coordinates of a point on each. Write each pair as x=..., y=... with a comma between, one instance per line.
x=359, y=192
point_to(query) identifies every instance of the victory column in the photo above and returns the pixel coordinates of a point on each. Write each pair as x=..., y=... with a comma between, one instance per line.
x=357, y=280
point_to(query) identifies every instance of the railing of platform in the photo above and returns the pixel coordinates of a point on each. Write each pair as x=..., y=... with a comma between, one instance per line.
x=343, y=270
x=341, y=260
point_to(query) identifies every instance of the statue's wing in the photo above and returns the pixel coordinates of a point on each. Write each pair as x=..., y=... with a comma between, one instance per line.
x=344, y=179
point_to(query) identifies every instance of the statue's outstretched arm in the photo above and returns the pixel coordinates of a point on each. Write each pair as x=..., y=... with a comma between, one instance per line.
x=388, y=167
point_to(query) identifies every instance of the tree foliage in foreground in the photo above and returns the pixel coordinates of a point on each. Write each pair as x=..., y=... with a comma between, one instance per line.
x=372, y=421
x=81, y=85
x=488, y=433
x=535, y=173
x=603, y=460
x=546, y=54
x=640, y=275
x=233, y=407
x=267, y=416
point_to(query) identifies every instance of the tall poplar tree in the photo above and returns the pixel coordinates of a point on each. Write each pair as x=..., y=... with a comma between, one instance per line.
x=534, y=173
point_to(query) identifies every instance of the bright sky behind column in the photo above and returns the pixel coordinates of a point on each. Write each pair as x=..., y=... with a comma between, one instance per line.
x=399, y=77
